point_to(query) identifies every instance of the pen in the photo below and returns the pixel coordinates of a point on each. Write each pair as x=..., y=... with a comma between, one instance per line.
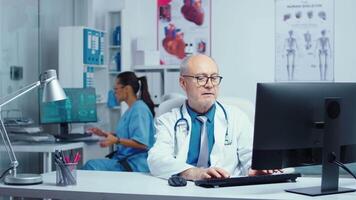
x=67, y=159
x=76, y=157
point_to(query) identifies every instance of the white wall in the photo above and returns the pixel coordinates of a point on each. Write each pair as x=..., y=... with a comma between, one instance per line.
x=247, y=51
x=345, y=40
x=51, y=18
x=138, y=20
x=243, y=42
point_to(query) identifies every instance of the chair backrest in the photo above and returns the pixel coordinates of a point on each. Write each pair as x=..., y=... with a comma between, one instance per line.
x=245, y=105
x=172, y=96
x=169, y=104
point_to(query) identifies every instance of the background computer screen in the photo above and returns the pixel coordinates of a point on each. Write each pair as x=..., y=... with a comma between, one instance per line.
x=79, y=107
x=286, y=132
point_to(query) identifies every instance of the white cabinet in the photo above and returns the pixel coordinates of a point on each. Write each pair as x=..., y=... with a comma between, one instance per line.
x=161, y=79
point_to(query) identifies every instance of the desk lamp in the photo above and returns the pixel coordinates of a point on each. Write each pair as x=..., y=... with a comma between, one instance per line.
x=52, y=91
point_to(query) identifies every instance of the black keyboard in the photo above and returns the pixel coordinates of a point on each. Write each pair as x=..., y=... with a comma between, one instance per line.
x=248, y=180
x=74, y=137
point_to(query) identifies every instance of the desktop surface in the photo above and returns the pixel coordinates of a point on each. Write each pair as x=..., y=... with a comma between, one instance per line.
x=23, y=146
x=131, y=185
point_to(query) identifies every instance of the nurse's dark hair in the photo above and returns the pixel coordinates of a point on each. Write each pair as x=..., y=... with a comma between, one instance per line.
x=130, y=78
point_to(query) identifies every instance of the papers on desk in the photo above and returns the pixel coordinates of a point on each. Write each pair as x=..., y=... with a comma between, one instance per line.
x=35, y=137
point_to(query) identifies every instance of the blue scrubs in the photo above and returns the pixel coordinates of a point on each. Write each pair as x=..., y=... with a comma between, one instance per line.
x=136, y=124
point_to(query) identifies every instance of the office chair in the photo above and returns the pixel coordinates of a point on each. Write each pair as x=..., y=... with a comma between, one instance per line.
x=173, y=95
x=169, y=104
x=245, y=105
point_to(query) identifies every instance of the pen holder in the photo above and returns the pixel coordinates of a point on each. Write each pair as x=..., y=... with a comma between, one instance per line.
x=66, y=174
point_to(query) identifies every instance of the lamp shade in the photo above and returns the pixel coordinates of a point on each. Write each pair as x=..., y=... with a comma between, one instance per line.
x=52, y=91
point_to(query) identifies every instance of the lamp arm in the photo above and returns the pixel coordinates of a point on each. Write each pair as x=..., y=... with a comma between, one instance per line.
x=4, y=134
x=8, y=146
x=20, y=92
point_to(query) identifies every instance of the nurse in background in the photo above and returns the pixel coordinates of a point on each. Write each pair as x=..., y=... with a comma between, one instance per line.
x=134, y=134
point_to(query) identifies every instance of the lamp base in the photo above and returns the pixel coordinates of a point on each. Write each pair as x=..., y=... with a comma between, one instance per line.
x=23, y=179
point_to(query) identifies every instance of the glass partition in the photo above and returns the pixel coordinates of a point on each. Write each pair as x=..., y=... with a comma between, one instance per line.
x=19, y=53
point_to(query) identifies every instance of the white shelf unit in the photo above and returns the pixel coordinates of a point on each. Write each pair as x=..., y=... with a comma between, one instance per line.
x=113, y=19
x=161, y=79
x=82, y=59
x=112, y=22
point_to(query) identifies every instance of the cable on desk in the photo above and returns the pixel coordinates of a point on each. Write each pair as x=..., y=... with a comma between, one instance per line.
x=340, y=164
x=5, y=172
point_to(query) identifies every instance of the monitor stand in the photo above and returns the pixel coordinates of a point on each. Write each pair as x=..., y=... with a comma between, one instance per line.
x=331, y=151
x=66, y=136
x=64, y=129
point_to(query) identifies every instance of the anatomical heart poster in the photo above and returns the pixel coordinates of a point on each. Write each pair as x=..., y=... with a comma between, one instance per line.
x=304, y=40
x=183, y=29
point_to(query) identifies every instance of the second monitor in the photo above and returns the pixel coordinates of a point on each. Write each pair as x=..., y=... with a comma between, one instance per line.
x=79, y=107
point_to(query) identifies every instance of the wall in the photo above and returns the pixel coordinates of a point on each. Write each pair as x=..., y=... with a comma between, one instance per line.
x=243, y=42
x=138, y=20
x=51, y=18
x=244, y=49
x=248, y=47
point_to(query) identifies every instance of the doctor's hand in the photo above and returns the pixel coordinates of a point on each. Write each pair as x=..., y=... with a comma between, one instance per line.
x=253, y=172
x=109, y=140
x=201, y=173
x=98, y=132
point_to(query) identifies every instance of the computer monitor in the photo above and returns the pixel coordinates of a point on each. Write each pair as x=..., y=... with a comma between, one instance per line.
x=79, y=107
x=301, y=124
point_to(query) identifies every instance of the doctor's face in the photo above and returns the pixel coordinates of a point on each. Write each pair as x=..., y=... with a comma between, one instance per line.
x=201, y=82
x=120, y=91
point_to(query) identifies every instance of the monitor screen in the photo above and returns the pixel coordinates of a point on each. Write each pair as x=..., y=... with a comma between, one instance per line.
x=302, y=124
x=79, y=107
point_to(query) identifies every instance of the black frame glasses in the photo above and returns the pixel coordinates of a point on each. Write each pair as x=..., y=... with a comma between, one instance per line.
x=202, y=80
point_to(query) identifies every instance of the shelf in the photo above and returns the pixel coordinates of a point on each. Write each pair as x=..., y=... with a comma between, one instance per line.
x=156, y=67
x=114, y=72
x=115, y=108
x=98, y=66
x=101, y=102
x=114, y=46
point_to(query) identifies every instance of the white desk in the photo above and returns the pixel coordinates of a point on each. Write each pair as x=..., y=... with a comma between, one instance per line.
x=137, y=186
x=47, y=149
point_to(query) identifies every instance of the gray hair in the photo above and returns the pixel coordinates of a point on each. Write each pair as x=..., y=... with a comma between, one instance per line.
x=184, y=64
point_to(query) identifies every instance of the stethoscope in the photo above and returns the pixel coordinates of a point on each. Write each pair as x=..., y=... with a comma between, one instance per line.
x=183, y=125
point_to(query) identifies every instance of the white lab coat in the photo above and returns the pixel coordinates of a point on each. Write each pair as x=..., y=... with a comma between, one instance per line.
x=234, y=158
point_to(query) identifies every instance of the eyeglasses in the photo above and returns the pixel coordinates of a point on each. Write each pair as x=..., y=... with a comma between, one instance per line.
x=202, y=80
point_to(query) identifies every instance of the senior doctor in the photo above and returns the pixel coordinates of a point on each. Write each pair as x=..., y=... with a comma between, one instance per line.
x=180, y=147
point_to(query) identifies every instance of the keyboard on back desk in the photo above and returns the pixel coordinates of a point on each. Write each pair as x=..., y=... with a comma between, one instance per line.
x=248, y=180
x=76, y=137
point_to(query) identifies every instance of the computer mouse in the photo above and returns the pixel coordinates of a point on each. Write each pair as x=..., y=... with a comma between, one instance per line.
x=177, y=181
